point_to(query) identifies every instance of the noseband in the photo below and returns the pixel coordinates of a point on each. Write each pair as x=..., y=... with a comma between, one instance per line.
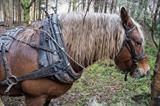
x=128, y=42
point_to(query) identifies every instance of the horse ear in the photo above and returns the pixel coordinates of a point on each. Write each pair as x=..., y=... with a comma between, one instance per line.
x=124, y=15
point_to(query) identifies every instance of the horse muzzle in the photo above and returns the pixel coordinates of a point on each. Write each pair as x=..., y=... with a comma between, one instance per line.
x=139, y=73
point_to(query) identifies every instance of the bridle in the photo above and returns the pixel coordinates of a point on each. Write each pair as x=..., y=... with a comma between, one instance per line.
x=128, y=43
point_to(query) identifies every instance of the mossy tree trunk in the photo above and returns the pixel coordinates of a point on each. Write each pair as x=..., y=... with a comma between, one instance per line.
x=155, y=85
x=26, y=4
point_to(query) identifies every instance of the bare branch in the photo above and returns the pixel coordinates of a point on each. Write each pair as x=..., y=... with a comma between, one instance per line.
x=154, y=24
x=89, y=3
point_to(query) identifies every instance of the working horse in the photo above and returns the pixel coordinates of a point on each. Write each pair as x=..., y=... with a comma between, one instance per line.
x=88, y=38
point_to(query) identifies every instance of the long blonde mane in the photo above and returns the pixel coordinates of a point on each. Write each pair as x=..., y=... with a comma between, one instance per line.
x=101, y=35
x=97, y=36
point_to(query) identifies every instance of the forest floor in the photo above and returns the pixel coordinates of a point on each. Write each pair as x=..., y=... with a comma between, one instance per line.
x=102, y=84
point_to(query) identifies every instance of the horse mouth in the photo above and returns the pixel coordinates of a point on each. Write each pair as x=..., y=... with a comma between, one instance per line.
x=137, y=74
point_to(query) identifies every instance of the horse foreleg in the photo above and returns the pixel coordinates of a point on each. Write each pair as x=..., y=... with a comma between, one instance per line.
x=1, y=103
x=35, y=101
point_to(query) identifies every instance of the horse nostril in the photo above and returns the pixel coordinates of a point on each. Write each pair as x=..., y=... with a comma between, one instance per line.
x=148, y=73
x=137, y=73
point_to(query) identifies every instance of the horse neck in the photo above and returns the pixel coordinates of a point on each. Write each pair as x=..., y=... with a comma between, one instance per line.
x=78, y=66
x=86, y=59
x=101, y=36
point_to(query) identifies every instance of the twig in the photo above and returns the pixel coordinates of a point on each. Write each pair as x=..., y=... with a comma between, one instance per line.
x=154, y=25
x=89, y=3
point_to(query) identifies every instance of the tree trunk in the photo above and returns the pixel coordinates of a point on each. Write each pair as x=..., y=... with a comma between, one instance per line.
x=83, y=4
x=111, y=8
x=155, y=86
x=26, y=7
x=154, y=24
x=96, y=5
x=39, y=9
x=1, y=10
x=1, y=103
x=105, y=7
x=19, y=11
x=8, y=15
x=46, y=5
x=74, y=2
x=102, y=4
x=69, y=5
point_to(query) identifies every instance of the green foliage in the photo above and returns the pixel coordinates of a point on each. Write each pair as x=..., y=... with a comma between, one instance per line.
x=151, y=52
x=26, y=7
x=25, y=3
x=26, y=15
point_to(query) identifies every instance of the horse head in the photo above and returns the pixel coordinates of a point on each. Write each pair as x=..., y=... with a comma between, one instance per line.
x=132, y=58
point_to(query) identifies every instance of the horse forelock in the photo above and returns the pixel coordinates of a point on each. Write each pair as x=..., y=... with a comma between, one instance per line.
x=94, y=37
x=139, y=30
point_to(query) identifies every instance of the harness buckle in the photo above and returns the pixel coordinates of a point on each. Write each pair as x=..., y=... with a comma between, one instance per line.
x=11, y=81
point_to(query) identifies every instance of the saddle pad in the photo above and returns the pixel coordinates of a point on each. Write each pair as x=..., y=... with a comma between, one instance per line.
x=7, y=39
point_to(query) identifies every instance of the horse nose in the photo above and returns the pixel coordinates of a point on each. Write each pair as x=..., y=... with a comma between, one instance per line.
x=137, y=73
x=144, y=74
x=148, y=73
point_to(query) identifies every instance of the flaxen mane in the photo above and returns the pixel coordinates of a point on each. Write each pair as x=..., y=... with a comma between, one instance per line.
x=101, y=35
x=97, y=36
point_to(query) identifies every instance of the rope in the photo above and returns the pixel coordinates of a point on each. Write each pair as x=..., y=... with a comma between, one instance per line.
x=60, y=47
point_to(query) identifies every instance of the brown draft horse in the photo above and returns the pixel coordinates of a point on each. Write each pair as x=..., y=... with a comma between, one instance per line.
x=100, y=36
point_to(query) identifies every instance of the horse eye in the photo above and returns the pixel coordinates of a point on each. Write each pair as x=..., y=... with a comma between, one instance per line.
x=139, y=41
